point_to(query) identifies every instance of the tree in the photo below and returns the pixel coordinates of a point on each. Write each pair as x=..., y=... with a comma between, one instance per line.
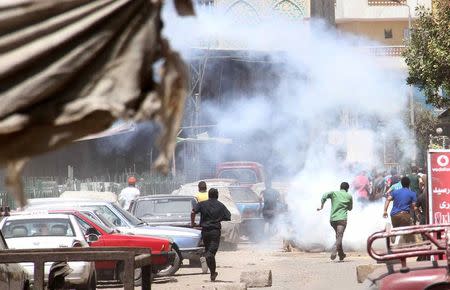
x=425, y=125
x=428, y=53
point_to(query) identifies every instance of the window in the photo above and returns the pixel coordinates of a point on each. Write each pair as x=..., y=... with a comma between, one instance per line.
x=387, y=33
x=241, y=175
x=37, y=227
x=243, y=194
x=163, y=207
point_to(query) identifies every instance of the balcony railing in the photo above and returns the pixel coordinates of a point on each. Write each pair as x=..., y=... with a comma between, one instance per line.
x=386, y=50
x=385, y=3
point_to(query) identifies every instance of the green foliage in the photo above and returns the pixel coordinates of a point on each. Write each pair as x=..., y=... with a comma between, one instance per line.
x=428, y=53
x=425, y=125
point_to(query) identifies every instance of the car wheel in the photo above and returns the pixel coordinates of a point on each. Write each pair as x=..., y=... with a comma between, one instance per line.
x=171, y=269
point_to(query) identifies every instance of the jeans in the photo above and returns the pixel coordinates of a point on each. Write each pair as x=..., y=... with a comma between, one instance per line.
x=339, y=229
x=211, y=240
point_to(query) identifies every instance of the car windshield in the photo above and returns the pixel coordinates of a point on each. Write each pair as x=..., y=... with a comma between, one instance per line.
x=243, y=175
x=162, y=207
x=18, y=228
x=129, y=217
x=243, y=194
x=94, y=219
x=105, y=213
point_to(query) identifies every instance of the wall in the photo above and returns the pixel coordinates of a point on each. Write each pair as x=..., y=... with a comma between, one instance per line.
x=374, y=30
x=360, y=9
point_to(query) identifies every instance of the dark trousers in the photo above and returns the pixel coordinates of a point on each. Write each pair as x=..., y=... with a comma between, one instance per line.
x=339, y=229
x=403, y=219
x=211, y=240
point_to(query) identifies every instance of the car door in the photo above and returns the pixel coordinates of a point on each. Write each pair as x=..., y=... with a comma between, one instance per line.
x=12, y=275
x=88, y=229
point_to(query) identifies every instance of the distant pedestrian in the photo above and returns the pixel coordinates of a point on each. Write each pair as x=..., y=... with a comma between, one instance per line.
x=377, y=186
x=341, y=203
x=389, y=180
x=404, y=201
x=361, y=186
x=129, y=193
x=395, y=185
x=212, y=212
x=272, y=203
x=416, y=180
x=416, y=186
x=202, y=194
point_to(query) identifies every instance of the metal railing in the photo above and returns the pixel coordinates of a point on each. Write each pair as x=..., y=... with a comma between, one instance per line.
x=435, y=244
x=132, y=258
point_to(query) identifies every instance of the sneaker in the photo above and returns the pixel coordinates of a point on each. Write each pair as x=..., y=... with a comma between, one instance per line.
x=214, y=276
x=333, y=256
x=341, y=258
x=204, y=265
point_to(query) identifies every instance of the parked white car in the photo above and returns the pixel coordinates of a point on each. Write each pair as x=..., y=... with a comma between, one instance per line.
x=34, y=231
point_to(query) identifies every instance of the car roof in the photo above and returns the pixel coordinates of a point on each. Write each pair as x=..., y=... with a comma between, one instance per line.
x=75, y=202
x=164, y=196
x=29, y=215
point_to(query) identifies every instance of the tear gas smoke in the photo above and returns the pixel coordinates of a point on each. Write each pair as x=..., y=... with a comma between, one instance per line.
x=329, y=96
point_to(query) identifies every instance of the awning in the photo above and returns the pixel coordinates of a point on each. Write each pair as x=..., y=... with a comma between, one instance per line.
x=70, y=68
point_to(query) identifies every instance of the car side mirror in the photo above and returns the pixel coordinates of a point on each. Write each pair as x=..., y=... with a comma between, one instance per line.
x=92, y=238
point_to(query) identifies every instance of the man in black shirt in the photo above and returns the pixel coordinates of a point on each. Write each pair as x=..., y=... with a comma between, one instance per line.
x=212, y=212
x=272, y=202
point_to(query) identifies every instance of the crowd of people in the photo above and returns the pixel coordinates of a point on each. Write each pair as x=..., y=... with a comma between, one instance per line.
x=368, y=187
x=407, y=192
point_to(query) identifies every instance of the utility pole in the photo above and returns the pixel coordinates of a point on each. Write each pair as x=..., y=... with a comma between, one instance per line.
x=410, y=88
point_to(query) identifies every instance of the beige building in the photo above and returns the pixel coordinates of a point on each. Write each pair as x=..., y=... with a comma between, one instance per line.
x=384, y=21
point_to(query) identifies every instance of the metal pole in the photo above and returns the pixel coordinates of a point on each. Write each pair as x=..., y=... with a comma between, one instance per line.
x=410, y=90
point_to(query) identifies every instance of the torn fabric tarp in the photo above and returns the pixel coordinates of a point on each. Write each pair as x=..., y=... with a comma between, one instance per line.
x=70, y=68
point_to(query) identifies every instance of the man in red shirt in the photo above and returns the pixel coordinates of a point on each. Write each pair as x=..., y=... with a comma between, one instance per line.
x=361, y=186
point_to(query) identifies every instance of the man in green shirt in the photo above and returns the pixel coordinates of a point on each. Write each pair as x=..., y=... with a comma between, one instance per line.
x=341, y=203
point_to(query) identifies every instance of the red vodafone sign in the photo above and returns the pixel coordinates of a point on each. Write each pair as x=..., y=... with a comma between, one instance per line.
x=439, y=186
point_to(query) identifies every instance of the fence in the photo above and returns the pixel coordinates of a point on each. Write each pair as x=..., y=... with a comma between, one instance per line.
x=42, y=187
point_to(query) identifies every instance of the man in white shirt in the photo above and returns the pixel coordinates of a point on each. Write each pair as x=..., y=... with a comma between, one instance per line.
x=129, y=193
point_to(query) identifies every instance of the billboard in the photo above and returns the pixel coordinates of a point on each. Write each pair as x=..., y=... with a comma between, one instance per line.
x=439, y=186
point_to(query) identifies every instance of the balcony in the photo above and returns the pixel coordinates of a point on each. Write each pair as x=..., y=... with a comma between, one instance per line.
x=369, y=10
x=385, y=3
x=385, y=50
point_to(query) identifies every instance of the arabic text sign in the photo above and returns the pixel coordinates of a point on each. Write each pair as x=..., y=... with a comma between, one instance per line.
x=439, y=186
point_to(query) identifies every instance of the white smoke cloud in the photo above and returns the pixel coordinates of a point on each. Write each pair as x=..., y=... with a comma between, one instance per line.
x=323, y=73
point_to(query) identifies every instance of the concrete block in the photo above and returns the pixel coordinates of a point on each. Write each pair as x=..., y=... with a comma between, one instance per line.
x=253, y=279
x=363, y=271
x=225, y=286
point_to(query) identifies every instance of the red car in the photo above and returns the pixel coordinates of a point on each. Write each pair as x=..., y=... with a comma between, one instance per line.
x=161, y=249
x=431, y=272
x=246, y=173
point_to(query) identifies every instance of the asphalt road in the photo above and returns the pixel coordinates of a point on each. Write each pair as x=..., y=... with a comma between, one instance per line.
x=290, y=270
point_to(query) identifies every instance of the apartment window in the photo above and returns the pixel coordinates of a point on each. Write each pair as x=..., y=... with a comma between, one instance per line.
x=386, y=2
x=205, y=2
x=387, y=33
